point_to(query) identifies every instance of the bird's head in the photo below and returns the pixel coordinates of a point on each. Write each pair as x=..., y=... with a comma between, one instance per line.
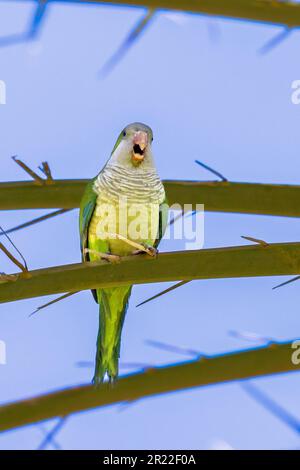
x=133, y=147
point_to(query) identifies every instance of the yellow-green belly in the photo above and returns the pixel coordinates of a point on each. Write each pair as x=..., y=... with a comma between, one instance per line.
x=138, y=222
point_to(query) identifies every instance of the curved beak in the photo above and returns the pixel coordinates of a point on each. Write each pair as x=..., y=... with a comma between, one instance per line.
x=140, y=142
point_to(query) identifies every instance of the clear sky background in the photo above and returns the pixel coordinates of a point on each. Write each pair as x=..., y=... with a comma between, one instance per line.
x=211, y=97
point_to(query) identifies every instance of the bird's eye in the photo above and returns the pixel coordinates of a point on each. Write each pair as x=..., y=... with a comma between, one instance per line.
x=124, y=133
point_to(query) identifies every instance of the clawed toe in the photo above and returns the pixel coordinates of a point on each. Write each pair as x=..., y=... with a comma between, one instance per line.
x=150, y=250
x=106, y=256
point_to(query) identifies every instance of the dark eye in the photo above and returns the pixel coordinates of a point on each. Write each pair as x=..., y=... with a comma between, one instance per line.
x=124, y=133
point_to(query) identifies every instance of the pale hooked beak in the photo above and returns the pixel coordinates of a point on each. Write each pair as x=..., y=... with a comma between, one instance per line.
x=140, y=142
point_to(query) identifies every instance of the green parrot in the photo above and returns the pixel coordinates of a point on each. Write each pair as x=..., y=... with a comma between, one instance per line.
x=123, y=212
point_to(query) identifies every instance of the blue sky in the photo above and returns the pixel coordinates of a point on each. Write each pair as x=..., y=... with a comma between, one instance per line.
x=216, y=100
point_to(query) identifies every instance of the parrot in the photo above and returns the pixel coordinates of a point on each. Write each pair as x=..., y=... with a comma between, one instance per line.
x=123, y=212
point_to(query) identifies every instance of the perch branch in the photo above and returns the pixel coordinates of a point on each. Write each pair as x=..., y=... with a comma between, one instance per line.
x=275, y=12
x=246, y=198
x=274, y=358
x=240, y=261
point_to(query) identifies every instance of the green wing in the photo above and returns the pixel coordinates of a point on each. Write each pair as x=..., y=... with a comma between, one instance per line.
x=87, y=207
x=163, y=221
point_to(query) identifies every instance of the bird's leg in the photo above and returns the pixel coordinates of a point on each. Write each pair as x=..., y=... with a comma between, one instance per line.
x=107, y=256
x=140, y=247
x=150, y=250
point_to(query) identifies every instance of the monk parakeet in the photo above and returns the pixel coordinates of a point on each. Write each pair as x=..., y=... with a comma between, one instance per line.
x=123, y=210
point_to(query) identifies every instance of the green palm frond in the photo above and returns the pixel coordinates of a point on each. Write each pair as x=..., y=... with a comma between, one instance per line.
x=275, y=259
x=244, y=198
x=275, y=358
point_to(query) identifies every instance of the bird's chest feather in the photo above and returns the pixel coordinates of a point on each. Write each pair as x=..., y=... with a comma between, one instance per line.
x=135, y=221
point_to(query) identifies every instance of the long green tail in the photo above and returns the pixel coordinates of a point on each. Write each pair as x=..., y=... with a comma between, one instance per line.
x=113, y=304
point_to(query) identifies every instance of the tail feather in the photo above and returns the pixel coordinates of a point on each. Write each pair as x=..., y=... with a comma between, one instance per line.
x=113, y=305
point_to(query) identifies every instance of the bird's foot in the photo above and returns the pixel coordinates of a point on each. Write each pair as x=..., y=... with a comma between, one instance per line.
x=150, y=250
x=106, y=256
x=140, y=247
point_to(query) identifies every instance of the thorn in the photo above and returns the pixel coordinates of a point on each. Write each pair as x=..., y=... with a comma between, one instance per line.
x=45, y=168
x=191, y=213
x=28, y=170
x=37, y=220
x=216, y=173
x=175, y=286
x=177, y=217
x=134, y=34
x=38, y=16
x=13, y=39
x=275, y=41
x=49, y=437
x=249, y=336
x=21, y=266
x=175, y=349
x=256, y=240
x=54, y=444
x=286, y=282
x=61, y=297
x=271, y=405
x=33, y=30
x=182, y=214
